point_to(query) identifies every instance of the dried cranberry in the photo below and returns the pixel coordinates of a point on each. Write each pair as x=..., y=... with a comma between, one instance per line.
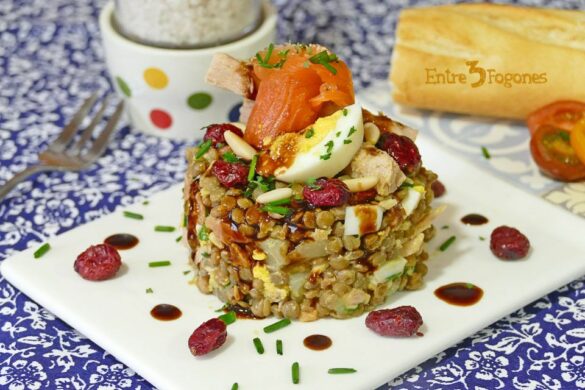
x=402, y=321
x=98, y=262
x=209, y=336
x=508, y=243
x=326, y=193
x=401, y=149
x=362, y=196
x=215, y=132
x=230, y=174
x=438, y=188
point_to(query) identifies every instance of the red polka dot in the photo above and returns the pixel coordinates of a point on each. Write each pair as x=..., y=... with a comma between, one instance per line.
x=161, y=119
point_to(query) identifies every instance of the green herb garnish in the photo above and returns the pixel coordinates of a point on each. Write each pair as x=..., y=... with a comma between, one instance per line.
x=306, y=64
x=186, y=272
x=230, y=157
x=329, y=145
x=351, y=131
x=203, y=234
x=311, y=182
x=341, y=370
x=163, y=263
x=277, y=325
x=338, y=134
x=166, y=229
x=481, y=238
x=235, y=386
x=185, y=220
x=203, y=148
x=469, y=285
x=325, y=156
x=325, y=59
x=276, y=209
x=310, y=133
x=295, y=373
x=347, y=141
x=221, y=308
x=205, y=254
x=447, y=243
x=228, y=318
x=145, y=202
x=130, y=214
x=279, y=347
x=149, y=290
x=485, y=153
x=252, y=170
x=394, y=276
x=444, y=227
x=344, y=111
x=178, y=238
x=264, y=62
x=258, y=344
x=42, y=250
x=280, y=202
x=565, y=136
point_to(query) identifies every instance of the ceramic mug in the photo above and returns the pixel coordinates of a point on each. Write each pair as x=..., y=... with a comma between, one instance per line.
x=164, y=89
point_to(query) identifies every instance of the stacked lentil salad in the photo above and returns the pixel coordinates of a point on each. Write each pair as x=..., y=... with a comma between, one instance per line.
x=312, y=206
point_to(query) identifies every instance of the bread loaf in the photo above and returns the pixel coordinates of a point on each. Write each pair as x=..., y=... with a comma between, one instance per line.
x=488, y=59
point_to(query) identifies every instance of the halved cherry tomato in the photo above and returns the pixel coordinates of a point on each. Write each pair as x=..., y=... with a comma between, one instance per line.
x=562, y=114
x=552, y=151
x=578, y=139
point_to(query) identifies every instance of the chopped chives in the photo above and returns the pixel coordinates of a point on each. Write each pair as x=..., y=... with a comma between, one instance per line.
x=228, y=318
x=279, y=202
x=178, y=238
x=325, y=156
x=203, y=148
x=163, y=263
x=184, y=220
x=145, y=202
x=279, y=347
x=295, y=373
x=42, y=250
x=276, y=209
x=481, y=238
x=235, y=386
x=351, y=131
x=445, y=227
x=485, y=153
x=230, y=157
x=205, y=254
x=149, y=290
x=310, y=133
x=341, y=370
x=344, y=111
x=203, y=234
x=252, y=170
x=347, y=141
x=160, y=228
x=186, y=272
x=130, y=214
x=277, y=325
x=258, y=345
x=447, y=244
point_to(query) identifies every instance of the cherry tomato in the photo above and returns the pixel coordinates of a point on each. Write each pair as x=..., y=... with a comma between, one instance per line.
x=552, y=151
x=562, y=114
x=578, y=139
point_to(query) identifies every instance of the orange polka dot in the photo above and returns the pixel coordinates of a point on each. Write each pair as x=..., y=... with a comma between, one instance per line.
x=156, y=78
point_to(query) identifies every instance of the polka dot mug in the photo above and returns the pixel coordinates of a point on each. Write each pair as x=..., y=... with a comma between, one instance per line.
x=164, y=89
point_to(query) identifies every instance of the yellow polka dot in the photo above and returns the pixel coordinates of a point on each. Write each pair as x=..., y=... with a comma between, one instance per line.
x=156, y=78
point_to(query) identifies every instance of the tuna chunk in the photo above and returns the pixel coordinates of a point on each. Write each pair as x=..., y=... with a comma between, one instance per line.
x=228, y=73
x=371, y=161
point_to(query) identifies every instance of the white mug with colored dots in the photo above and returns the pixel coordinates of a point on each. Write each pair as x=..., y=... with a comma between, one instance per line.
x=164, y=88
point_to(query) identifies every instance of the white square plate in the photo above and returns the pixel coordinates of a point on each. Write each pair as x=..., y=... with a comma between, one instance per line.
x=115, y=313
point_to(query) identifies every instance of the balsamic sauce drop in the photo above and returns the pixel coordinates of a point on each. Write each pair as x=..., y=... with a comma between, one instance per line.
x=122, y=241
x=317, y=342
x=474, y=219
x=166, y=312
x=459, y=294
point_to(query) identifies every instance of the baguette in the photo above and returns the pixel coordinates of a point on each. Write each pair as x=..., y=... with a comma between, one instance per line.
x=528, y=57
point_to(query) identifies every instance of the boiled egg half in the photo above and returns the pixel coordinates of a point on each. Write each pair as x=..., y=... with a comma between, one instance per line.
x=323, y=149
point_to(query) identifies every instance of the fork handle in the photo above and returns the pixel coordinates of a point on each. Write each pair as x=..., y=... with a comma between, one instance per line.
x=20, y=176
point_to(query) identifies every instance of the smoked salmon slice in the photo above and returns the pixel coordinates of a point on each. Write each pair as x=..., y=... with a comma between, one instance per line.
x=295, y=85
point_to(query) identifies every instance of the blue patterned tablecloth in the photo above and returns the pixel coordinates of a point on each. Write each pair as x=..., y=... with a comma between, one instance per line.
x=51, y=58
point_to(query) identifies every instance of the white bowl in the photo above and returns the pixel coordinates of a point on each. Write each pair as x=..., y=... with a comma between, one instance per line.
x=164, y=89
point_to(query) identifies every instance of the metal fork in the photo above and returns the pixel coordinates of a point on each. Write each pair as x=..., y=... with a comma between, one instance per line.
x=64, y=155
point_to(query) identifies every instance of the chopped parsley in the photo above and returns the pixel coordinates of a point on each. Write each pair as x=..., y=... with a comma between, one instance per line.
x=312, y=183
x=310, y=133
x=203, y=234
x=351, y=131
x=486, y=153
x=265, y=62
x=347, y=141
x=325, y=156
x=203, y=148
x=329, y=145
x=325, y=59
x=338, y=134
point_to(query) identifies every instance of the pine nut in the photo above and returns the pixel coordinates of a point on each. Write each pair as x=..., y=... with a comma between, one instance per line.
x=371, y=133
x=240, y=147
x=274, y=195
x=361, y=183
